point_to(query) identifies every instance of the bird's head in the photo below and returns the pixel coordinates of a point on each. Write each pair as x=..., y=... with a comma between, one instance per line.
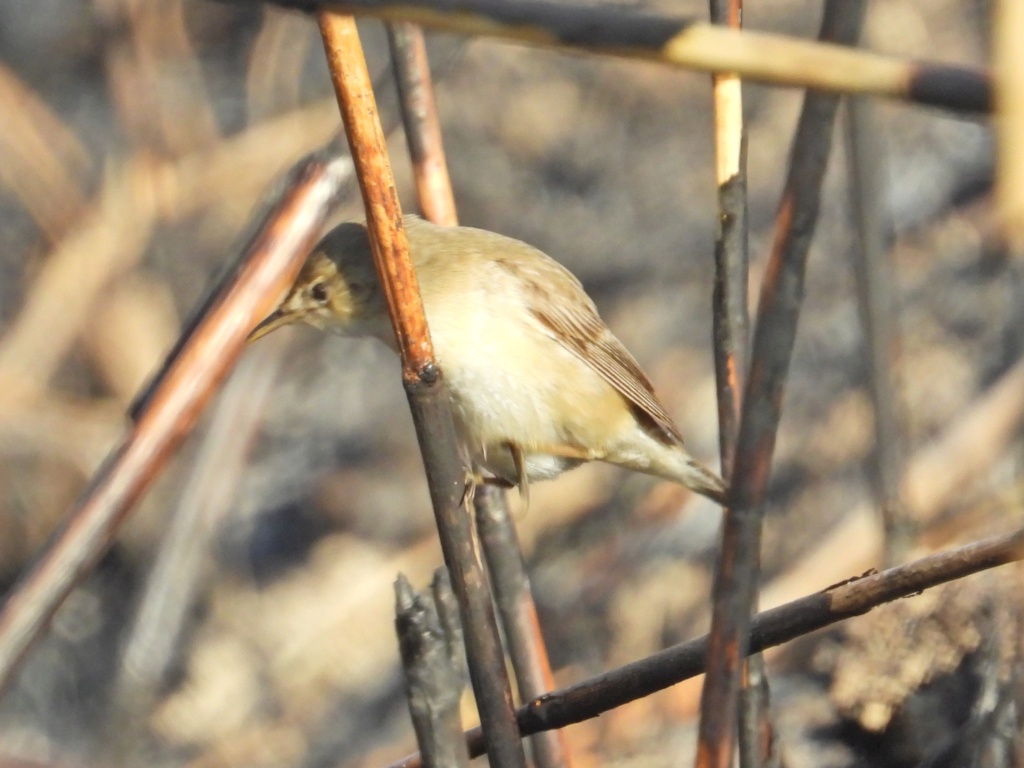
x=336, y=289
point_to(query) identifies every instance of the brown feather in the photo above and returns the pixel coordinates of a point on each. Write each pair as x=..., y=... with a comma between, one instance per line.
x=561, y=305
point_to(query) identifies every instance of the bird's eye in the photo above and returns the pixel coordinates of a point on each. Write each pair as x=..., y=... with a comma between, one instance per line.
x=318, y=292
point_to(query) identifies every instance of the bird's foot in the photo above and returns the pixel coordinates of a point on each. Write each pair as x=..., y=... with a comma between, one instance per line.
x=473, y=480
x=469, y=484
x=523, y=479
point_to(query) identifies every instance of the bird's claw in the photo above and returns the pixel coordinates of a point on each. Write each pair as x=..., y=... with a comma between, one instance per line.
x=469, y=485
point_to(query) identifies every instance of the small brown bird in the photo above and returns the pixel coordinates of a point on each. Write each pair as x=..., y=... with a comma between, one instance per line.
x=538, y=382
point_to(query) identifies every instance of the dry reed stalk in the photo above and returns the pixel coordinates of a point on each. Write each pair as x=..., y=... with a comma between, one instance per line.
x=424, y=384
x=619, y=30
x=1008, y=56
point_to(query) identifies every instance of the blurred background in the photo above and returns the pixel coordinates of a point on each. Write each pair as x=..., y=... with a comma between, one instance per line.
x=245, y=616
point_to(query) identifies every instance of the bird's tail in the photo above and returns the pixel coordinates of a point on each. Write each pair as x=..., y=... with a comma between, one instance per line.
x=673, y=462
x=702, y=480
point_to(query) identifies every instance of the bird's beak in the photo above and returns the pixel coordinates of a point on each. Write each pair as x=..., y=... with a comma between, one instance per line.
x=272, y=322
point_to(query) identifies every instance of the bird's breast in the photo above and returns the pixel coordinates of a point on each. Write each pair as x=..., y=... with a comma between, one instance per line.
x=511, y=382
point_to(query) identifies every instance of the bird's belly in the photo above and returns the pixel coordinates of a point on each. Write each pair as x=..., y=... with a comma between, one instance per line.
x=494, y=408
x=512, y=384
x=546, y=417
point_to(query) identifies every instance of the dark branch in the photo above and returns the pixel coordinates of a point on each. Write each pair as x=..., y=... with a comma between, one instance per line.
x=632, y=32
x=590, y=698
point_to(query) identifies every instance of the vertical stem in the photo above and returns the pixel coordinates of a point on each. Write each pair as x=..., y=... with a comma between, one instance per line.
x=518, y=615
x=781, y=297
x=730, y=316
x=422, y=127
x=516, y=610
x=424, y=384
x=731, y=334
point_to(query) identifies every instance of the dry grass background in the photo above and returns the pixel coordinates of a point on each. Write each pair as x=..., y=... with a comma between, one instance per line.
x=135, y=141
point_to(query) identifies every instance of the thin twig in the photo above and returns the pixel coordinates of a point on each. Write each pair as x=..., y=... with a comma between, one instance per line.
x=590, y=698
x=268, y=268
x=428, y=397
x=630, y=32
x=731, y=333
x=757, y=740
x=779, y=309
x=518, y=615
x=422, y=127
x=731, y=319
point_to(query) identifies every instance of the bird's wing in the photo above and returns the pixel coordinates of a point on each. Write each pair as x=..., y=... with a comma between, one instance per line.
x=557, y=300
